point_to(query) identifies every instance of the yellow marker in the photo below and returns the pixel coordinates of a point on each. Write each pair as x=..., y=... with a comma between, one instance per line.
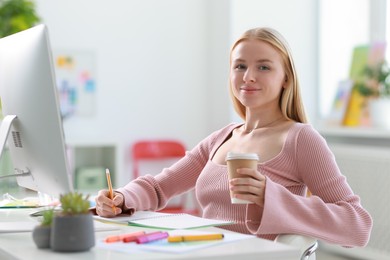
x=187, y=238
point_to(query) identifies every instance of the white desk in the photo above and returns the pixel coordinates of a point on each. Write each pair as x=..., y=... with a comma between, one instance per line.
x=21, y=246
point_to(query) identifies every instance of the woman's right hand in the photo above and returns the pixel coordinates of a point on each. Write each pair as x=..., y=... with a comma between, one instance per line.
x=105, y=207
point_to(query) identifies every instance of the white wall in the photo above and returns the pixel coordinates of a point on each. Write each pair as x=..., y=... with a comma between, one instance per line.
x=336, y=19
x=162, y=65
x=152, y=62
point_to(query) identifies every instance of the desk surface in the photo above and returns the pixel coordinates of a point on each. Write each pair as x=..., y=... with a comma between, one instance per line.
x=21, y=246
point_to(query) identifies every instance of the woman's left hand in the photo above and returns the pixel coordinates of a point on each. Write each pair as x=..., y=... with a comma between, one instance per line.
x=250, y=187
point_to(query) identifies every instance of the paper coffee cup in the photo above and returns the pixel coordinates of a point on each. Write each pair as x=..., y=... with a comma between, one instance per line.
x=240, y=160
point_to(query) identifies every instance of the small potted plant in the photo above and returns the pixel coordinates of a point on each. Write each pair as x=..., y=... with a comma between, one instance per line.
x=376, y=82
x=376, y=87
x=41, y=233
x=16, y=16
x=73, y=228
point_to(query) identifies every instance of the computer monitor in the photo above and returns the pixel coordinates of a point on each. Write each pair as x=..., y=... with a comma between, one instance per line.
x=30, y=107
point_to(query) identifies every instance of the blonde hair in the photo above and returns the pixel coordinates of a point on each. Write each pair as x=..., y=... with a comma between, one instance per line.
x=290, y=101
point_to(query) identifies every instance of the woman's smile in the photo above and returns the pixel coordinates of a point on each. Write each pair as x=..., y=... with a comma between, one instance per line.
x=247, y=89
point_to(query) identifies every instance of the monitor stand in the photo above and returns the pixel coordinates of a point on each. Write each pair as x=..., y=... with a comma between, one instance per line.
x=5, y=127
x=4, y=132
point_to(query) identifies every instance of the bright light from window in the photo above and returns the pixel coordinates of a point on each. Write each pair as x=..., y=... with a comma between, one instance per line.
x=343, y=25
x=388, y=30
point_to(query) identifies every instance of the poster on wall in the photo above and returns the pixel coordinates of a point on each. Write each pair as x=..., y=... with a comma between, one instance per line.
x=76, y=82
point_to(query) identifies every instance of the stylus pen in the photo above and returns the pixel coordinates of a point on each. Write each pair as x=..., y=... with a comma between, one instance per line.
x=110, y=187
x=186, y=238
x=151, y=237
x=123, y=237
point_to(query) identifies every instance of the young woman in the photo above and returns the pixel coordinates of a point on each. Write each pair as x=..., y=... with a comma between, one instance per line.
x=293, y=156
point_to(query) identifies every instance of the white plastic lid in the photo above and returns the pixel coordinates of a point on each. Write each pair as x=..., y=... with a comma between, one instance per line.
x=245, y=156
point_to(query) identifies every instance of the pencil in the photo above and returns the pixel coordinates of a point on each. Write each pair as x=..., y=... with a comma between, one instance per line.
x=110, y=187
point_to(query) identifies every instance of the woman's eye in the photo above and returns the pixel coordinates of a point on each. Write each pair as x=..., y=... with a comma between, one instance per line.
x=240, y=67
x=263, y=68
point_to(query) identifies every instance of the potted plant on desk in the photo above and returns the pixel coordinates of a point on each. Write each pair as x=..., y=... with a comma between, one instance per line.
x=73, y=228
x=41, y=233
x=376, y=87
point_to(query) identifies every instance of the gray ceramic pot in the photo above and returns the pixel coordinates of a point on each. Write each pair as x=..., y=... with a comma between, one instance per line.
x=72, y=233
x=41, y=236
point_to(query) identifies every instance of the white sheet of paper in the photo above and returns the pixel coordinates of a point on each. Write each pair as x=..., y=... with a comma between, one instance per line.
x=164, y=221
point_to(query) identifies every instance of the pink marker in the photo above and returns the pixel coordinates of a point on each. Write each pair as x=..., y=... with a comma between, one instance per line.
x=151, y=237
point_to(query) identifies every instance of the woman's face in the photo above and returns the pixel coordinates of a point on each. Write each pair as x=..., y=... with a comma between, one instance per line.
x=257, y=74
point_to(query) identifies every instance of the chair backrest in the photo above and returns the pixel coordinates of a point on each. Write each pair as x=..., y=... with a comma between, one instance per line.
x=307, y=245
x=160, y=150
x=155, y=150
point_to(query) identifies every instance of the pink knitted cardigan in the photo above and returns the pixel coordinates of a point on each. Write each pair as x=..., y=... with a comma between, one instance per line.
x=333, y=213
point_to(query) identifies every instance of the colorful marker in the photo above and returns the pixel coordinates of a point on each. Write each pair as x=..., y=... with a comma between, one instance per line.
x=186, y=238
x=111, y=239
x=129, y=239
x=151, y=237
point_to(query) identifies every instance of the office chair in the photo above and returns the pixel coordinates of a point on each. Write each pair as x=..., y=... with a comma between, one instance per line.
x=160, y=151
x=307, y=245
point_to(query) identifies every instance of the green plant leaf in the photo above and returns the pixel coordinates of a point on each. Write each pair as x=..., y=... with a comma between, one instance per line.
x=74, y=203
x=379, y=73
x=16, y=16
x=47, y=217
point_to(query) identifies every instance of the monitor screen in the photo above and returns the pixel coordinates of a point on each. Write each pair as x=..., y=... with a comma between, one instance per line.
x=30, y=107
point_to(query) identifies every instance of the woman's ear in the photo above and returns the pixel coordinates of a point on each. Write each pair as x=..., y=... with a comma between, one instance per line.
x=285, y=82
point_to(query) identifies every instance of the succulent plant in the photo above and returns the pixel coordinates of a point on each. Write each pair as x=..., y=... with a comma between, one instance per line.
x=47, y=217
x=74, y=203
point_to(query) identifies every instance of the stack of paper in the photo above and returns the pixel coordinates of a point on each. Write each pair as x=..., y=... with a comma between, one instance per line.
x=164, y=220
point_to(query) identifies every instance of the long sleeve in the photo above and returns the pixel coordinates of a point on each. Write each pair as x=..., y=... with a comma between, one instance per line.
x=333, y=213
x=153, y=192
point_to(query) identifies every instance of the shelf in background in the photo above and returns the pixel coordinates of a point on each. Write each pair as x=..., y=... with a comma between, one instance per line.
x=366, y=136
x=363, y=132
